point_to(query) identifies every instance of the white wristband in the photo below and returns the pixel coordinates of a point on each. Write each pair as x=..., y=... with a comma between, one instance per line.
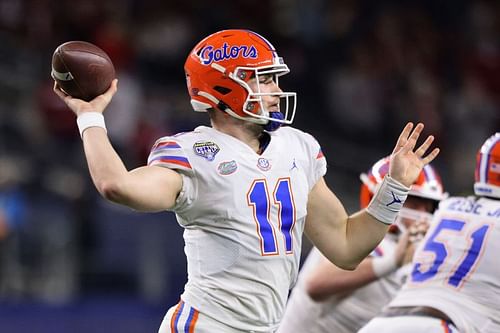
x=384, y=265
x=388, y=200
x=90, y=119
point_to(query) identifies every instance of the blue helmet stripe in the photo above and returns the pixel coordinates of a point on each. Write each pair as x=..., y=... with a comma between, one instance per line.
x=271, y=47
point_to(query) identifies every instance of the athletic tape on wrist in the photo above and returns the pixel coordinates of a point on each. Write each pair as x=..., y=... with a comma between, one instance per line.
x=384, y=265
x=90, y=119
x=388, y=200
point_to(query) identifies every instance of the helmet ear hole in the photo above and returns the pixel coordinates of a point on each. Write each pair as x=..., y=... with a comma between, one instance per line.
x=222, y=90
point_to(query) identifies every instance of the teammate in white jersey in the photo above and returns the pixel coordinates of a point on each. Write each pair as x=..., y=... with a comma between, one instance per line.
x=454, y=284
x=329, y=299
x=244, y=189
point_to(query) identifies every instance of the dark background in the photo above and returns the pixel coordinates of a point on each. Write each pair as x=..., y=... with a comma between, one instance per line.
x=70, y=262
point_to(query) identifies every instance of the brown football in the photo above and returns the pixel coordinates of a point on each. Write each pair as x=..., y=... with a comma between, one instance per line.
x=82, y=70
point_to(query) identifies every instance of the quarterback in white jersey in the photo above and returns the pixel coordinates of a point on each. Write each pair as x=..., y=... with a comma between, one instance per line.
x=328, y=299
x=239, y=258
x=244, y=189
x=455, y=278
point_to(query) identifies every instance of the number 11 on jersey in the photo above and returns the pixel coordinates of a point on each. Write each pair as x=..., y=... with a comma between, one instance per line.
x=258, y=198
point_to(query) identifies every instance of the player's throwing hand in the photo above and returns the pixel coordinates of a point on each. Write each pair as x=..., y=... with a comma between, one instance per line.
x=79, y=106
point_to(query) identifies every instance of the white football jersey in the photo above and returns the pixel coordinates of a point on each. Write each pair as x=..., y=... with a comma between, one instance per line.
x=243, y=215
x=341, y=313
x=456, y=267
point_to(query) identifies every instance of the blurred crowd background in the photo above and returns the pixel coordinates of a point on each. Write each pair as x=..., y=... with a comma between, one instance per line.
x=71, y=262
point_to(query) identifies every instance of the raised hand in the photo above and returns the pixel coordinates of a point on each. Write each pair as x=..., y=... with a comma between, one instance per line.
x=79, y=106
x=406, y=161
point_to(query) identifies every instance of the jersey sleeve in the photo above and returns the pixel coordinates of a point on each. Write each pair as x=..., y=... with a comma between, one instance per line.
x=168, y=152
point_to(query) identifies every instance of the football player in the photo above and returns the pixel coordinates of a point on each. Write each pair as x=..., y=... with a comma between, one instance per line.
x=244, y=189
x=454, y=283
x=329, y=299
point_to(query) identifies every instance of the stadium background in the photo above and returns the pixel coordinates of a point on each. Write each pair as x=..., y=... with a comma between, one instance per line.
x=70, y=262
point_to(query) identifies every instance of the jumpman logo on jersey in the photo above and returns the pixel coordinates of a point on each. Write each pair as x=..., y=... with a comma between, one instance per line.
x=395, y=199
x=294, y=165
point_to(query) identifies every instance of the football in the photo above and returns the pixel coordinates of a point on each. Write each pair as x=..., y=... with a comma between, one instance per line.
x=82, y=70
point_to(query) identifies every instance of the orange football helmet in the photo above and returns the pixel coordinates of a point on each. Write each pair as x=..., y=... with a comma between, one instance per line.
x=487, y=175
x=218, y=70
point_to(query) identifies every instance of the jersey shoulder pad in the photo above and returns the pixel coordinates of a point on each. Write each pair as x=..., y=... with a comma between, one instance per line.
x=169, y=152
x=303, y=138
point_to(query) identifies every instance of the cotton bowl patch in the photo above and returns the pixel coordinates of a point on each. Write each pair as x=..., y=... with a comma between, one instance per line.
x=206, y=149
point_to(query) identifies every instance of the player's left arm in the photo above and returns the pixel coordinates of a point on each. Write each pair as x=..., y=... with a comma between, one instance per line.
x=345, y=240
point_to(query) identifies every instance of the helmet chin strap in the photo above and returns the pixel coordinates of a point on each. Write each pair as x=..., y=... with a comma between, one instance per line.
x=274, y=125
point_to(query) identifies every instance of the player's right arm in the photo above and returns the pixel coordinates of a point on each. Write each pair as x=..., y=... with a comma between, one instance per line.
x=147, y=188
